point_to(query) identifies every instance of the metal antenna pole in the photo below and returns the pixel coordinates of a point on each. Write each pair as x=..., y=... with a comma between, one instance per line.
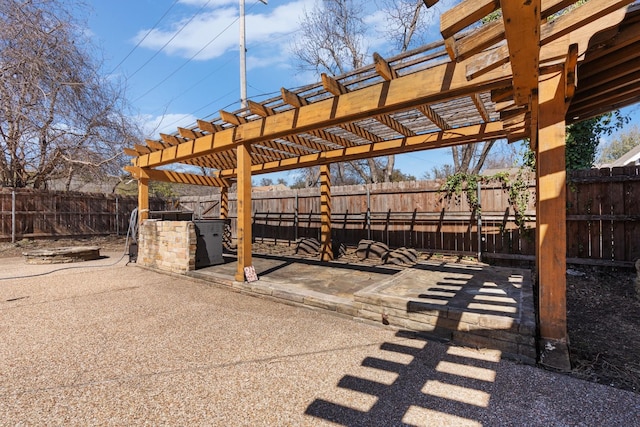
x=243, y=59
x=243, y=56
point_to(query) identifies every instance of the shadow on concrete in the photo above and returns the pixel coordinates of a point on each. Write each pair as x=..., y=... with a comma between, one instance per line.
x=382, y=269
x=432, y=385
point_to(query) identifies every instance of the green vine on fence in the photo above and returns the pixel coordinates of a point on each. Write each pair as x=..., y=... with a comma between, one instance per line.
x=459, y=184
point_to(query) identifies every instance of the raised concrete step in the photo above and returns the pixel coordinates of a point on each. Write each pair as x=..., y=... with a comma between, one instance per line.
x=459, y=304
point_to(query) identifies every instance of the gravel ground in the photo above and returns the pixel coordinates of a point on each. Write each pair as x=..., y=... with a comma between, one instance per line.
x=121, y=345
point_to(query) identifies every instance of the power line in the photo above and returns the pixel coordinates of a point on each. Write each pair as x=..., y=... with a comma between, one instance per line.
x=186, y=62
x=144, y=38
x=182, y=93
x=202, y=108
x=192, y=57
x=171, y=39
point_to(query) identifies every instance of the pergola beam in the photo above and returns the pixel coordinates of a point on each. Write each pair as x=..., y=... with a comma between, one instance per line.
x=259, y=109
x=130, y=152
x=522, y=31
x=392, y=123
x=141, y=149
x=232, y=118
x=493, y=32
x=435, y=118
x=155, y=145
x=464, y=14
x=458, y=136
x=208, y=126
x=581, y=24
x=189, y=133
x=171, y=139
x=578, y=18
x=296, y=150
x=612, y=66
x=438, y=83
x=482, y=109
x=383, y=68
x=625, y=96
x=293, y=99
x=163, y=175
x=303, y=143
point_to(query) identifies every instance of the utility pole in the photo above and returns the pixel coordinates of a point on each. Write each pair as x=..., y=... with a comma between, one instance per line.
x=243, y=56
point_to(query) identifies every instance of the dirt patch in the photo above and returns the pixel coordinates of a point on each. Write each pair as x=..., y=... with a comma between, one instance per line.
x=603, y=318
x=603, y=314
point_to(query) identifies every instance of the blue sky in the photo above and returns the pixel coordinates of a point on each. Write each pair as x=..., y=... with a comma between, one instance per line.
x=186, y=63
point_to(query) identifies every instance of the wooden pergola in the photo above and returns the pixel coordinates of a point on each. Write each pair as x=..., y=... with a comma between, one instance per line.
x=524, y=75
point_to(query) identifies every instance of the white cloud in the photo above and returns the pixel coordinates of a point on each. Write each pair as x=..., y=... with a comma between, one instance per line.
x=168, y=123
x=217, y=29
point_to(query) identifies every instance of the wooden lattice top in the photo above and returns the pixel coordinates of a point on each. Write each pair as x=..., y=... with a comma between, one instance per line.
x=479, y=83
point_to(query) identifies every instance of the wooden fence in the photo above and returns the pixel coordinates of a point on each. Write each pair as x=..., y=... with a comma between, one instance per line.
x=411, y=214
x=603, y=217
x=28, y=213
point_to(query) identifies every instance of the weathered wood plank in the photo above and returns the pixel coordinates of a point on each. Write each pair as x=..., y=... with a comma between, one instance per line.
x=244, y=210
x=464, y=14
x=333, y=86
x=551, y=210
x=383, y=68
x=522, y=31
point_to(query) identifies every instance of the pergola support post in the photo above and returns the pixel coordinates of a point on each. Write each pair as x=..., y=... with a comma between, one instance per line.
x=244, y=210
x=326, y=251
x=143, y=199
x=224, y=202
x=551, y=229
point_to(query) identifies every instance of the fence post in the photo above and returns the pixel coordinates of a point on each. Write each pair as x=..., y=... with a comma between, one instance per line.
x=368, y=213
x=13, y=216
x=479, y=224
x=117, y=218
x=295, y=218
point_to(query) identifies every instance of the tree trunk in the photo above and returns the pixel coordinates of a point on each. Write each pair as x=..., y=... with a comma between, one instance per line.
x=483, y=157
x=388, y=170
x=67, y=185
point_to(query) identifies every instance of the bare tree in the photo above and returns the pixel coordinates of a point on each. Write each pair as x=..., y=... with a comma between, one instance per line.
x=471, y=157
x=406, y=22
x=58, y=117
x=406, y=25
x=334, y=42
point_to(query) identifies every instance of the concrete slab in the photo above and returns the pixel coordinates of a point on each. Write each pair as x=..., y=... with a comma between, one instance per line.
x=472, y=304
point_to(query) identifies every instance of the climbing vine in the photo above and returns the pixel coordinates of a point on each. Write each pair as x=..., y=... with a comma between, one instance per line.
x=519, y=197
x=461, y=185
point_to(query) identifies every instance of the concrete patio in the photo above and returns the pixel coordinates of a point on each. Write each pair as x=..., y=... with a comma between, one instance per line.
x=467, y=303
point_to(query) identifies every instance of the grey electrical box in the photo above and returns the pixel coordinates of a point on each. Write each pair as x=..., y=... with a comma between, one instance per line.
x=209, y=242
